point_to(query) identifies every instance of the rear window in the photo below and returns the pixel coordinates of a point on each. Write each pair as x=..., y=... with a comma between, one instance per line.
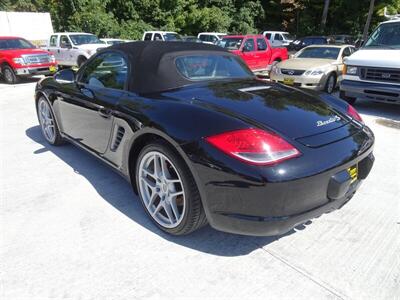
x=231, y=43
x=211, y=67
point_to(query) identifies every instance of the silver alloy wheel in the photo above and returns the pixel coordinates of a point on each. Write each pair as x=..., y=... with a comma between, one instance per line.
x=46, y=120
x=331, y=84
x=161, y=189
x=8, y=75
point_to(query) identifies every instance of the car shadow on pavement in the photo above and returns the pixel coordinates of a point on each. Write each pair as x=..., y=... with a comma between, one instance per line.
x=118, y=192
x=22, y=80
x=378, y=109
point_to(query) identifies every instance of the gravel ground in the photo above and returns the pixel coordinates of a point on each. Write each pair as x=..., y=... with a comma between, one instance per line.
x=72, y=229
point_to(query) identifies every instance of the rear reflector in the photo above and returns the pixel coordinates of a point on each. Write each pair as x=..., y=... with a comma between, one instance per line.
x=254, y=146
x=354, y=114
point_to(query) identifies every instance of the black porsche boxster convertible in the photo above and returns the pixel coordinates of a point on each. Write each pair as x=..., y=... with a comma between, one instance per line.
x=201, y=139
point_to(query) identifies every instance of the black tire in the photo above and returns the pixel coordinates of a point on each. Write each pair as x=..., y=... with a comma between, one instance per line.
x=327, y=88
x=9, y=75
x=194, y=216
x=81, y=60
x=58, y=140
x=350, y=100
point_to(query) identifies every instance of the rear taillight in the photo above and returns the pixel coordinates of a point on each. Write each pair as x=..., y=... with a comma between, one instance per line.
x=254, y=146
x=354, y=114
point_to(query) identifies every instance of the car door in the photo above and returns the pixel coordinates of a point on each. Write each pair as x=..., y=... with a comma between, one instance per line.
x=86, y=109
x=66, y=51
x=53, y=47
x=263, y=56
x=249, y=53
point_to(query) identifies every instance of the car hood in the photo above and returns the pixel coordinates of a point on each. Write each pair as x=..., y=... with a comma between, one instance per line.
x=285, y=110
x=369, y=57
x=18, y=52
x=305, y=63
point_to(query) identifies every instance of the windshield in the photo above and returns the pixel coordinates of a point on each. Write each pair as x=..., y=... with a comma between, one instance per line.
x=230, y=43
x=81, y=39
x=288, y=37
x=211, y=67
x=385, y=36
x=172, y=37
x=319, y=52
x=9, y=44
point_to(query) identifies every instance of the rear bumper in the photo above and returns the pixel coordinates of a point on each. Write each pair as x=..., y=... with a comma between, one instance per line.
x=252, y=200
x=29, y=71
x=340, y=191
x=389, y=93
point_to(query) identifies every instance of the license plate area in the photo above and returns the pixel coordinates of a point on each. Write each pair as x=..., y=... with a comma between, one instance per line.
x=288, y=81
x=353, y=173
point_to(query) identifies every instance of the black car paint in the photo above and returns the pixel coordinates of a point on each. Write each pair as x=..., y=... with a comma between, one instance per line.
x=237, y=197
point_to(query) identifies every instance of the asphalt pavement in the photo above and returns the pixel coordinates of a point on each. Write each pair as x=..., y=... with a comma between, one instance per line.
x=71, y=228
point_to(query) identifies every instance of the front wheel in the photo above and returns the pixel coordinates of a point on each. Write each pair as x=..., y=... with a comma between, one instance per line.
x=9, y=75
x=167, y=190
x=330, y=84
x=48, y=123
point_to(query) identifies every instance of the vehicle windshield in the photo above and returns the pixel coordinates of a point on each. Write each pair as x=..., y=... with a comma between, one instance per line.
x=319, y=52
x=82, y=39
x=211, y=67
x=230, y=43
x=385, y=36
x=115, y=42
x=10, y=44
x=172, y=37
x=288, y=36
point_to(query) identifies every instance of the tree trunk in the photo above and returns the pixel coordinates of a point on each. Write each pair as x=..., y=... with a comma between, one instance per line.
x=324, y=15
x=368, y=23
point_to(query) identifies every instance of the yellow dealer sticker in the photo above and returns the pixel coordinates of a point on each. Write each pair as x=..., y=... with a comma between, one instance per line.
x=353, y=172
x=52, y=69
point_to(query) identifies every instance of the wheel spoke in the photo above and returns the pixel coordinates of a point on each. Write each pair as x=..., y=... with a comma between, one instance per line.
x=174, y=208
x=158, y=208
x=150, y=184
x=170, y=215
x=176, y=194
x=152, y=198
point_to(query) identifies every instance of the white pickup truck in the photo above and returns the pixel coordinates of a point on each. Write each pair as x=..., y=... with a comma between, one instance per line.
x=73, y=48
x=373, y=72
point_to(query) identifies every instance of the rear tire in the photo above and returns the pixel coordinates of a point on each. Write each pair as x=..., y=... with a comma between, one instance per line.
x=9, y=75
x=167, y=190
x=350, y=100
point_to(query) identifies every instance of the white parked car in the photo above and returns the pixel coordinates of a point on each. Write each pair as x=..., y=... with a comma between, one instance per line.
x=373, y=72
x=210, y=37
x=165, y=36
x=110, y=42
x=73, y=48
x=278, y=38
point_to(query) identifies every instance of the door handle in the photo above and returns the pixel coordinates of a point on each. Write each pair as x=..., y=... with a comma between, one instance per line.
x=104, y=112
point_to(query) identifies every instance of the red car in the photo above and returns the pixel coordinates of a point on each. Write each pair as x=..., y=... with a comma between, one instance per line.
x=19, y=58
x=255, y=50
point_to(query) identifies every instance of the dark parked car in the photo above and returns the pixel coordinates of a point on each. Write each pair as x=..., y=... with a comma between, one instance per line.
x=299, y=44
x=201, y=139
x=192, y=39
x=344, y=39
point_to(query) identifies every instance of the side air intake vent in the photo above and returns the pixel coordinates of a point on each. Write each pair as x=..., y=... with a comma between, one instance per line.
x=118, y=135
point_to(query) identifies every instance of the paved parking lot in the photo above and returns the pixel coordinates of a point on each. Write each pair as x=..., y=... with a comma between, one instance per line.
x=72, y=229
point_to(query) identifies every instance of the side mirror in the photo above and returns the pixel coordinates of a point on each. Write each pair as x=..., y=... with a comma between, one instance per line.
x=65, y=76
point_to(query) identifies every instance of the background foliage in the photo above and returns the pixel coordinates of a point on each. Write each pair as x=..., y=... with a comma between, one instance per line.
x=130, y=18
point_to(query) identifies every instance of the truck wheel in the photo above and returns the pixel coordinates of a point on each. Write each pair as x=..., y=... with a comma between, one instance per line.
x=81, y=61
x=9, y=75
x=350, y=100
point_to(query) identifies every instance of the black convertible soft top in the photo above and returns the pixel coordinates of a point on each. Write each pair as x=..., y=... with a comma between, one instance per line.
x=153, y=63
